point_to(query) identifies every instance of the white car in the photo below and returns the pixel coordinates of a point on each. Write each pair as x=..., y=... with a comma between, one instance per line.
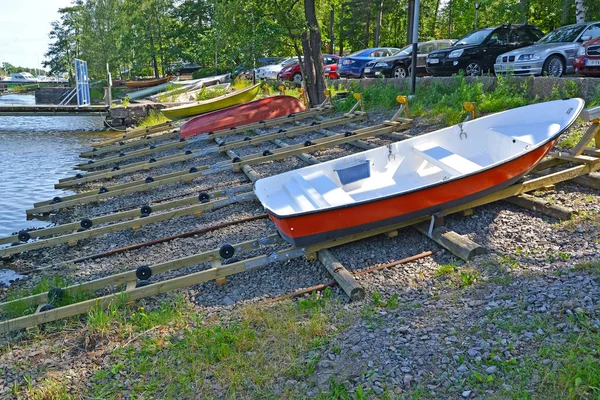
x=271, y=71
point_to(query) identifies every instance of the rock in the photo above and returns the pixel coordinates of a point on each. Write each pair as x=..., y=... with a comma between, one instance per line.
x=228, y=301
x=462, y=368
x=491, y=370
x=406, y=380
x=466, y=393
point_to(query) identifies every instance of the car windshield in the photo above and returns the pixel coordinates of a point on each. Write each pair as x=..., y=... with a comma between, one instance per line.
x=289, y=61
x=564, y=34
x=476, y=37
x=405, y=51
x=357, y=54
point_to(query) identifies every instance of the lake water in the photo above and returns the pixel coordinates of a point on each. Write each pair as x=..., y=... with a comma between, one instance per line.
x=35, y=152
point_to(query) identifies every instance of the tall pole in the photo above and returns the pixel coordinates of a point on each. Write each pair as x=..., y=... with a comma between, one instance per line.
x=449, y=16
x=415, y=41
x=409, y=31
x=477, y=4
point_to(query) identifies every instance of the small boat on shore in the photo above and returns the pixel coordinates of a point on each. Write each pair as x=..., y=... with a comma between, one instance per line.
x=254, y=111
x=413, y=178
x=202, y=107
x=147, y=82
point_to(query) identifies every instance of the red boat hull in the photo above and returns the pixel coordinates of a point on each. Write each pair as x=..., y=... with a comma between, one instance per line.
x=309, y=228
x=254, y=111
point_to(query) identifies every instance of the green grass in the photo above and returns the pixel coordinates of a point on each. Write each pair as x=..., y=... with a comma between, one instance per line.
x=20, y=308
x=242, y=355
x=209, y=93
x=153, y=118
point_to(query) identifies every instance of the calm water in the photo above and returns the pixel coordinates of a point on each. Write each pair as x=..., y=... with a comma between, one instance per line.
x=35, y=152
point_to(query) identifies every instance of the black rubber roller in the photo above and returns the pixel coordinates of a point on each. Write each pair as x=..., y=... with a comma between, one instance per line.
x=78, y=176
x=94, y=150
x=236, y=159
x=121, y=154
x=116, y=168
x=152, y=160
x=47, y=307
x=143, y=272
x=267, y=153
x=193, y=169
x=281, y=131
x=24, y=236
x=86, y=223
x=56, y=200
x=55, y=295
x=247, y=138
x=149, y=179
x=146, y=209
x=348, y=134
x=102, y=189
x=308, y=143
x=203, y=197
x=182, y=140
x=90, y=162
x=121, y=143
x=211, y=133
x=152, y=147
x=261, y=122
x=226, y=251
x=188, y=152
x=221, y=144
x=315, y=123
x=233, y=128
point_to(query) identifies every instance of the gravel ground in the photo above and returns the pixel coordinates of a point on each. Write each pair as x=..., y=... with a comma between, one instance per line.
x=428, y=325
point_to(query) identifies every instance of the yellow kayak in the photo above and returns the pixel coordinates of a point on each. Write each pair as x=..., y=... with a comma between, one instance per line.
x=202, y=107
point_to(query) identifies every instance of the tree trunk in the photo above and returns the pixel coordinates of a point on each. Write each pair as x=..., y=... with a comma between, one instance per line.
x=378, y=27
x=331, y=31
x=153, y=52
x=524, y=10
x=368, y=22
x=313, y=60
x=434, y=18
x=580, y=11
x=565, y=12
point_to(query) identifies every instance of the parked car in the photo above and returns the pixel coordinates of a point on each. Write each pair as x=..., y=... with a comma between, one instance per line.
x=476, y=52
x=551, y=55
x=353, y=66
x=271, y=71
x=398, y=66
x=587, y=61
x=293, y=73
x=331, y=70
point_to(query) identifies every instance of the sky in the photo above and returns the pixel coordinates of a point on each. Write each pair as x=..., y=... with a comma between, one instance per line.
x=24, y=28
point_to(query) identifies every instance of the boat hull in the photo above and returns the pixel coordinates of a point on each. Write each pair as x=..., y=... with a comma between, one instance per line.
x=148, y=83
x=305, y=229
x=232, y=99
x=254, y=111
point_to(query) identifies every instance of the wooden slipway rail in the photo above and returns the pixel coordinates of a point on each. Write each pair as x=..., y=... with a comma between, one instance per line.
x=239, y=129
x=587, y=164
x=219, y=271
x=191, y=154
x=233, y=165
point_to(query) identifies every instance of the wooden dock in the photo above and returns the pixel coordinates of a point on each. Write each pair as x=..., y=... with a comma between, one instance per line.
x=52, y=109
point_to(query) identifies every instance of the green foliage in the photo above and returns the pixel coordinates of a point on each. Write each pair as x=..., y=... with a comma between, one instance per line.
x=210, y=93
x=153, y=118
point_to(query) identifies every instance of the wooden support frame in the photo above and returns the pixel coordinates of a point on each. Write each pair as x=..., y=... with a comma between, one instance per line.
x=134, y=213
x=245, y=265
x=141, y=132
x=538, y=205
x=134, y=224
x=253, y=159
x=238, y=130
x=180, y=157
x=138, y=142
x=342, y=276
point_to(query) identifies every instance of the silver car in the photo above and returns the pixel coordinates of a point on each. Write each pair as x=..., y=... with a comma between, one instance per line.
x=551, y=55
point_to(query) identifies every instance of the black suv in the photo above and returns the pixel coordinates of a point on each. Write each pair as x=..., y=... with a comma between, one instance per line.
x=476, y=52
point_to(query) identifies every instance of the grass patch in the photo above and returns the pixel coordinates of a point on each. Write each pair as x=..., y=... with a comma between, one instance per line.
x=592, y=267
x=154, y=118
x=20, y=308
x=446, y=100
x=48, y=389
x=208, y=93
x=238, y=357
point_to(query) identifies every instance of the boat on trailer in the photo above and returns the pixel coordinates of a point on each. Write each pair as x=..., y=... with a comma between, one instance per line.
x=413, y=178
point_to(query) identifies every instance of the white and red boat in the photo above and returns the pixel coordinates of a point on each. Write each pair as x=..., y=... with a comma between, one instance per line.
x=413, y=178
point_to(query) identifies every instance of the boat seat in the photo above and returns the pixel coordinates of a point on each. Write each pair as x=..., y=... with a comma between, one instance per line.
x=316, y=191
x=445, y=159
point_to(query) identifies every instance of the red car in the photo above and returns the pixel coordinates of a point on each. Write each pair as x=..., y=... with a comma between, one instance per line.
x=292, y=72
x=587, y=61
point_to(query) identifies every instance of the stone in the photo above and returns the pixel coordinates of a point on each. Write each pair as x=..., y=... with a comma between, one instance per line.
x=462, y=368
x=466, y=393
x=228, y=301
x=406, y=380
x=491, y=370
x=119, y=112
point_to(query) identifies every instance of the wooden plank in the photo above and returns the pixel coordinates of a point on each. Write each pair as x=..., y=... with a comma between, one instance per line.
x=589, y=181
x=136, y=223
x=342, y=276
x=180, y=157
x=127, y=214
x=590, y=114
x=143, y=141
x=458, y=245
x=593, y=131
x=539, y=205
x=140, y=132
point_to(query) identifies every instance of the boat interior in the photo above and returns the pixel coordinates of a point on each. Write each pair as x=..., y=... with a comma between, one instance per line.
x=439, y=156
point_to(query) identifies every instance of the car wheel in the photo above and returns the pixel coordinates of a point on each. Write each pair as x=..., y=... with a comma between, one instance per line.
x=554, y=66
x=297, y=78
x=400, y=72
x=473, y=68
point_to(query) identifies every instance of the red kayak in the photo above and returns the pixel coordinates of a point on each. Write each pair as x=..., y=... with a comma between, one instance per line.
x=254, y=111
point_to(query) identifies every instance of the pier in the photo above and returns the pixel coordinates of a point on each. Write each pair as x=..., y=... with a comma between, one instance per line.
x=52, y=109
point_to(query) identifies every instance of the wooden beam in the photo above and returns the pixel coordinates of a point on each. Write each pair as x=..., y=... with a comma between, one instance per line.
x=141, y=132
x=593, y=132
x=342, y=276
x=539, y=205
x=134, y=224
x=458, y=245
x=590, y=114
x=589, y=181
x=143, y=141
x=134, y=213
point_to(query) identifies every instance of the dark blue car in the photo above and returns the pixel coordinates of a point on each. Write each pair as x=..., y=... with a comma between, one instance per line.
x=353, y=66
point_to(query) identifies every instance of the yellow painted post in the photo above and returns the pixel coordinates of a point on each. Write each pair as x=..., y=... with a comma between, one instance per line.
x=282, y=90
x=359, y=97
x=267, y=89
x=471, y=108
